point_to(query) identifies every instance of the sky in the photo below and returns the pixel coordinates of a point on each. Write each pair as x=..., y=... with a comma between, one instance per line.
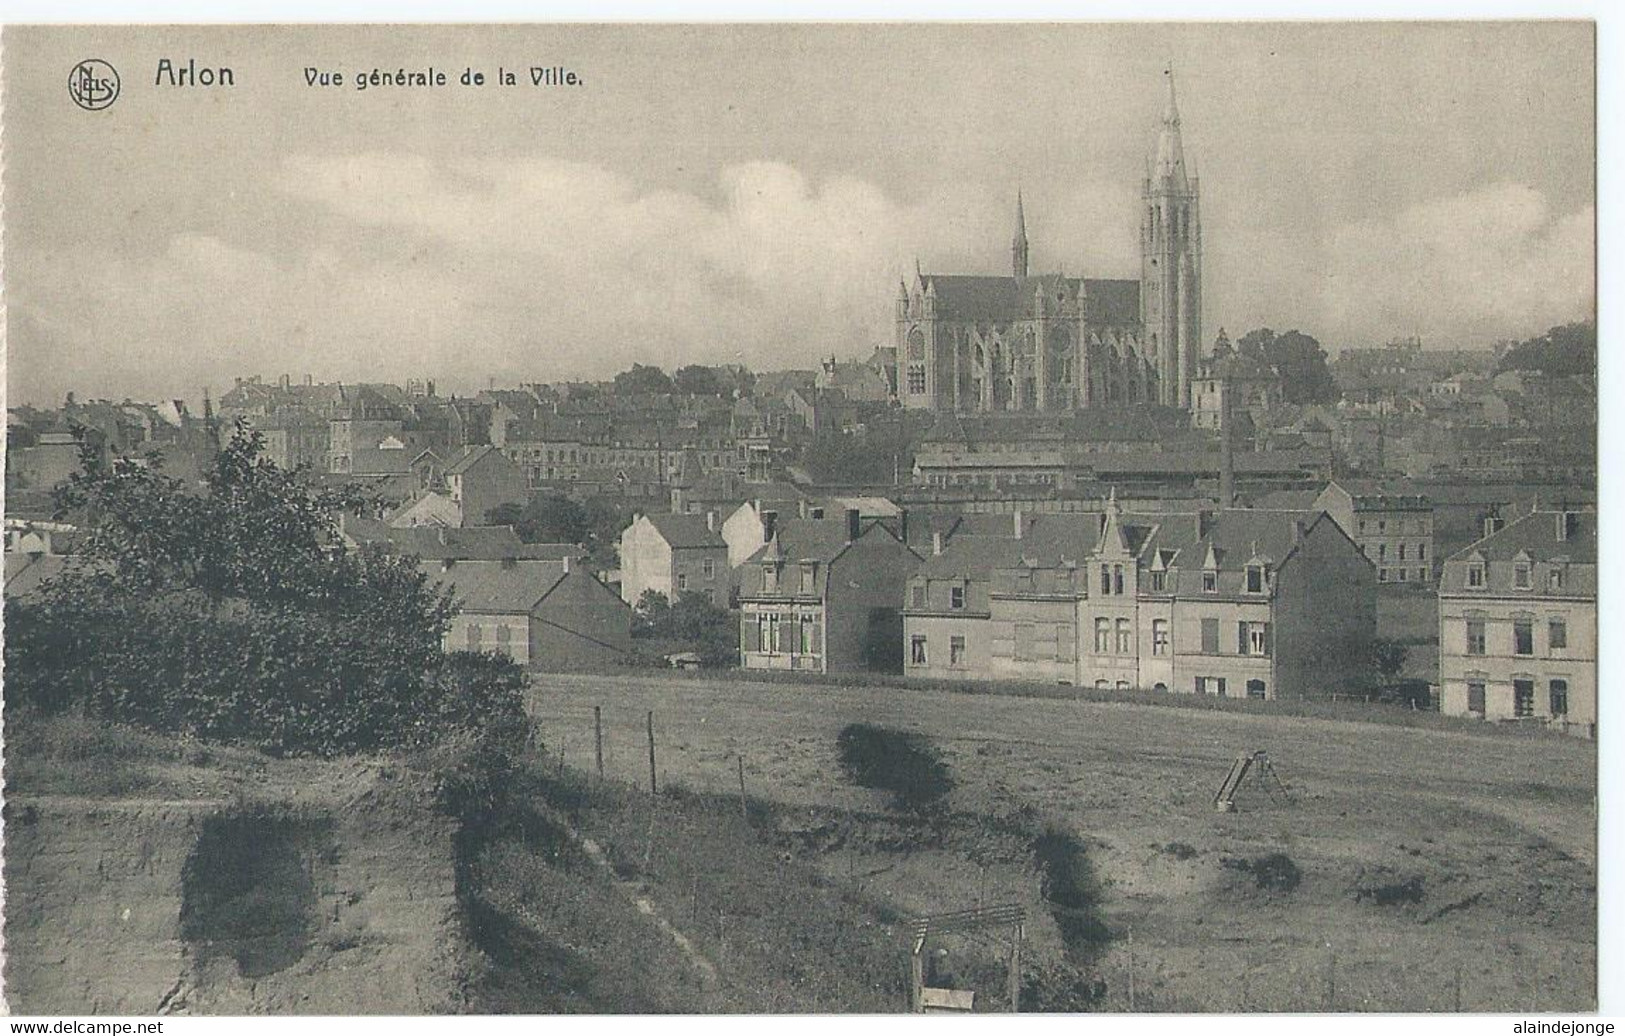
x=752, y=194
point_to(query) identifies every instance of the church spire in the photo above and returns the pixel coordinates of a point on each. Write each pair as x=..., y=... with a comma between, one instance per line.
x=1170, y=165
x=1018, y=244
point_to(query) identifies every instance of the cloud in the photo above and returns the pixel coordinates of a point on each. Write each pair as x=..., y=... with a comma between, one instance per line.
x=540, y=269
x=1469, y=269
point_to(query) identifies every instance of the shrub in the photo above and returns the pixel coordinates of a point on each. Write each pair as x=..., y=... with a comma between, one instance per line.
x=892, y=760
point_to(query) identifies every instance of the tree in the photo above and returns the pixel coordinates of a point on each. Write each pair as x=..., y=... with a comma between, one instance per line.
x=698, y=380
x=223, y=611
x=691, y=623
x=1298, y=359
x=1563, y=351
x=642, y=380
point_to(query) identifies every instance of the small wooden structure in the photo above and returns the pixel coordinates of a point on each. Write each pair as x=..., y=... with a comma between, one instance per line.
x=1258, y=764
x=923, y=998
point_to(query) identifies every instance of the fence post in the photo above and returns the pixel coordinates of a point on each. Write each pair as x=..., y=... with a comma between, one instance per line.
x=744, y=808
x=652, y=789
x=1131, y=969
x=598, y=738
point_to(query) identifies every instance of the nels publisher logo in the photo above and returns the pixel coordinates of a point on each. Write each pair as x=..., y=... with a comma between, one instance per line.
x=93, y=84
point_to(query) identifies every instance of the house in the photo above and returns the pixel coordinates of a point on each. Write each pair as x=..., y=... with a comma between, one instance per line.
x=482, y=479
x=1393, y=527
x=551, y=615
x=1518, y=623
x=824, y=595
x=427, y=508
x=441, y=543
x=1233, y=603
x=673, y=554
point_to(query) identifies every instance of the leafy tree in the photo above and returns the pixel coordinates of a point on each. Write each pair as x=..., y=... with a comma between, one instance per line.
x=1563, y=351
x=642, y=380
x=223, y=610
x=698, y=380
x=693, y=622
x=1298, y=358
x=544, y=518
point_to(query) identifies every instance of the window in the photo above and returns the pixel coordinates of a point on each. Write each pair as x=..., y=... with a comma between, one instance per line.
x=1475, y=636
x=1382, y=552
x=1105, y=580
x=1421, y=552
x=1159, y=582
x=956, y=651
x=1159, y=636
x=809, y=635
x=1255, y=690
x=770, y=578
x=1475, y=576
x=956, y=597
x=1523, y=698
x=1362, y=524
x=1103, y=634
x=919, y=590
x=1475, y=698
x=1402, y=552
x=504, y=638
x=474, y=636
x=1124, y=638
x=768, y=631
x=1520, y=575
x=708, y=568
x=1557, y=634
x=916, y=379
x=1117, y=580
x=1560, y=697
x=1255, y=579
x=1382, y=526
x=808, y=574
x=916, y=650
x=682, y=581
x=1210, y=582
x=1523, y=637
x=1211, y=685
x=1382, y=575
x=1554, y=577
x=1254, y=638
x=1210, y=636
x=1026, y=646
x=1122, y=685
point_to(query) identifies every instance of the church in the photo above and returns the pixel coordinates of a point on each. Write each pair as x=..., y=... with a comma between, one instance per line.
x=1048, y=342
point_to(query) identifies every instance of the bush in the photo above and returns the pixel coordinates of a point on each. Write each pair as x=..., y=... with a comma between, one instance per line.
x=222, y=614
x=892, y=760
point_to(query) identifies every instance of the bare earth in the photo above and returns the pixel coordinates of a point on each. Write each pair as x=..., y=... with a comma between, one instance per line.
x=1440, y=870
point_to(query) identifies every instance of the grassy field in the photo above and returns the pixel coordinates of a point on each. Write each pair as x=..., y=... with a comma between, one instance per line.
x=1410, y=869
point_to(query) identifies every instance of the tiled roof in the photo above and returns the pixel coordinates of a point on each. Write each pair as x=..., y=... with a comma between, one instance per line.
x=1536, y=534
x=1111, y=303
x=686, y=531
x=471, y=458
x=509, y=587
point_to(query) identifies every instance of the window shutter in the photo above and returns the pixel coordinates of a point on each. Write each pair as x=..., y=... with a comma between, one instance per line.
x=751, y=639
x=1241, y=638
x=817, y=637
x=1269, y=639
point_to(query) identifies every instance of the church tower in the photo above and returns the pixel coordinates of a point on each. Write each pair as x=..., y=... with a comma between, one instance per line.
x=1018, y=244
x=1171, y=261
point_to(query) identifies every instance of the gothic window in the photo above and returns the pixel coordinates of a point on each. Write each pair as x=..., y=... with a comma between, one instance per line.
x=916, y=345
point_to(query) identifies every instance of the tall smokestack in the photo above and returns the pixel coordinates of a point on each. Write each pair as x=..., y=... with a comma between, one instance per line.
x=853, y=523
x=1227, y=456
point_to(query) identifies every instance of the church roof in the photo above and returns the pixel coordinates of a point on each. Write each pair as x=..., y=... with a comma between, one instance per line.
x=1106, y=303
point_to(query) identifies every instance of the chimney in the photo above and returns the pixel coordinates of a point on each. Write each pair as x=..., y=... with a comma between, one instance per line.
x=801, y=507
x=1299, y=527
x=1017, y=515
x=446, y=564
x=284, y=382
x=770, y=522
x=566, y=560
x=902, y=525
x=1204, y=523
x=710, y=521
x=510, y=562
x=1568, y=524
x=441, y=536
x=1227, y=455
x=1492, y=524
x=309, y=380
x=854, y=523
x=936, y=543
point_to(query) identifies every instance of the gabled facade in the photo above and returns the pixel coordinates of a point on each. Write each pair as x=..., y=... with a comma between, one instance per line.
x=825, y=596
x=673, y=554
x=1392, y=527
x=550, y=615
x=1518, y=623
x=482, y=479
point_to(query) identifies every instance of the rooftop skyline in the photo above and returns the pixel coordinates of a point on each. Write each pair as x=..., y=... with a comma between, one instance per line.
x=728, y=194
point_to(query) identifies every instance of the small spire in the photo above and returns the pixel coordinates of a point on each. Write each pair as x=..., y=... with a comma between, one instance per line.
x=1018, y=244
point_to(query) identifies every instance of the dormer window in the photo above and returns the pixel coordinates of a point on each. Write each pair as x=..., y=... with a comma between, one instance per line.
x=1210, y=581
x=1475, y=575
x=1255, y=579
x=770, y=577
x=1520, y=575
x=956, y=597
x=1554, y=577
x=1159, y=581
x=809, y=573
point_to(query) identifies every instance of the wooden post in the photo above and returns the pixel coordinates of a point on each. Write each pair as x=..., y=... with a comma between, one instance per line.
x=598, y=738
x=652, y=789
x=744, y=808
x=1131, y=969
x=1331, y=981
x=1015, y=967
x=1458, y=988
x=916, y=979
